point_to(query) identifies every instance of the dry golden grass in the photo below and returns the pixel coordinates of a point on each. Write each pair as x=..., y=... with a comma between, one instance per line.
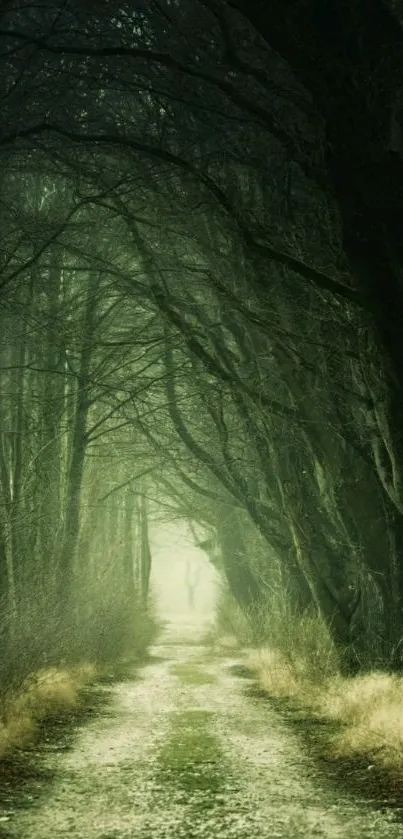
x=16, y=732
x=276, y=675
x=294, y=659
x=367, y=709
x=51, y=691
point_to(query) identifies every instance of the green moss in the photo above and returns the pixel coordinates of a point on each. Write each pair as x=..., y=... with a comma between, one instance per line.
x=191, y=675
x=190, y=758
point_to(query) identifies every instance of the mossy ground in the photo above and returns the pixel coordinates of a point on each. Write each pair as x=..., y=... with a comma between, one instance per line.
x=190, y=674
x=176, y=757
x=190, y=758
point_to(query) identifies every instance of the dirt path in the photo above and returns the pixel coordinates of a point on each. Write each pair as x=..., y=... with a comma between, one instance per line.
x=182, y=752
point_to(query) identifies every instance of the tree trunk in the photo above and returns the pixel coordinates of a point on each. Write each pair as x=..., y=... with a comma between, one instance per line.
x=349, y=56
x=128, y=546
x=77, y=450
x=236, y=561
x=145, y=552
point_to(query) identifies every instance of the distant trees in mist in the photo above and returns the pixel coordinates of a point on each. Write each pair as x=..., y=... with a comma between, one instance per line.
x=201, y=285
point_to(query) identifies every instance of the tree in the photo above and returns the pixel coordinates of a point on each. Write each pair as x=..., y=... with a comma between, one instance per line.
x=250, y=245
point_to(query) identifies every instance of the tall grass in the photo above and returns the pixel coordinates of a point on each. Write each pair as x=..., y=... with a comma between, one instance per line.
x=231, y=626
x=45, y=693
x=294, y=659
x=45, y=667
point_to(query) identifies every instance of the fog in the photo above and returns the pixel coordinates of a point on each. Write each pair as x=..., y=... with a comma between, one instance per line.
x=183, y=580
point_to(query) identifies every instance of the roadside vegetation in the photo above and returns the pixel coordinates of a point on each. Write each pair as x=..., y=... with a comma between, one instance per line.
x=36, y=696
x=200, y=318
x=293, y=660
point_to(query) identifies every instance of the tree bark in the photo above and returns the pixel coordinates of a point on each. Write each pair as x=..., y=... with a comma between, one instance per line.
x=145, y=552
x=236, y=561
x=349, y=56
x=77, y=454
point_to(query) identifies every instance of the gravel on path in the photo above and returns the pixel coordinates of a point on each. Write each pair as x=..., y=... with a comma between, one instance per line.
x=182, y=751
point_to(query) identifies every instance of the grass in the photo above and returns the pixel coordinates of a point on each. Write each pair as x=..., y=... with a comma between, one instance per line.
x=296, y=664
x=232, y=626
x=370, y=710
x=364, y=712
x=190, y=758
x=51, y=692
x=190, y=674
x=32, y=695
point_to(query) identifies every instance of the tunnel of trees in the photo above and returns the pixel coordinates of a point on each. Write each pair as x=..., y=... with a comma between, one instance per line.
x=201, y=304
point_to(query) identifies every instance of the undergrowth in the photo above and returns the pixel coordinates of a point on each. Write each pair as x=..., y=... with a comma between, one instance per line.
x=366, y=710
x=294, y=659
x=46, y=693
x=44, y=675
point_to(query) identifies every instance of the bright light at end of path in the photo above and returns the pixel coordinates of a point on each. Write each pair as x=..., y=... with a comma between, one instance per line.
x=183, y=579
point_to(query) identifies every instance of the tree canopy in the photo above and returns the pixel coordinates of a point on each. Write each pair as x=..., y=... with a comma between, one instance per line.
x=201, y=303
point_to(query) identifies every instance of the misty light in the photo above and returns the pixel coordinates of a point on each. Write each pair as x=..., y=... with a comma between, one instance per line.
x=179, y=568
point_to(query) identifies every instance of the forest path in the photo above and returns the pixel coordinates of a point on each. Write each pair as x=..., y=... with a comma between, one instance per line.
x=181, y=751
